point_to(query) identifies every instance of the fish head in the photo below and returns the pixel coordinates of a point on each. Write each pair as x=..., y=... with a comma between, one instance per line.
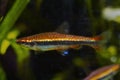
x=28, y=43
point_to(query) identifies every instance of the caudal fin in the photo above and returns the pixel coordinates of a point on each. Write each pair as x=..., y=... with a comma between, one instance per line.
x=103, y=39
x=106, y=36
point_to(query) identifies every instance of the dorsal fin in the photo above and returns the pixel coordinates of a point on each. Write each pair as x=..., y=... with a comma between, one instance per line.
x=63, y=28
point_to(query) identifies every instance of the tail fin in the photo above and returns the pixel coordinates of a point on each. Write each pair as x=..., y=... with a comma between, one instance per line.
x=106, y=36
x=103, y=39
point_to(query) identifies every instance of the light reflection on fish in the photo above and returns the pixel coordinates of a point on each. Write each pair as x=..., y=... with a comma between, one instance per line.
x=57, y=41
x=104, y=73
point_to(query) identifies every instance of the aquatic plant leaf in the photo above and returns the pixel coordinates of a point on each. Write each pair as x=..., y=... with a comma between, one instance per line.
x=78, y=62
x=111, y=14
x=22, y=53
x=112, y=50
x=117, y=19
x=1, y=18
x=23, y=62
x=38, y=3
x=108, y=52
x=61, y=76
x=6, y=42
x=2, y=74
x=11, y=18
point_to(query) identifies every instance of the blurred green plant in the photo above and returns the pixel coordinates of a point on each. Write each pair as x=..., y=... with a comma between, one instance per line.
x=23, y=54
x=2, y=74
x=111, y=14
x=38, y=3
x=8, y=36
x=11, y=17
x=6, y=42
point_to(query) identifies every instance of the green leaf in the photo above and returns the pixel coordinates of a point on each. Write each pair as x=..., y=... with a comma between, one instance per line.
x=2, y=74
x=6, y=42
x=11, y=18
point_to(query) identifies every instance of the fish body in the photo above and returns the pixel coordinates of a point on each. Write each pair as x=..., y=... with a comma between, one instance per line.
x=104, y=73
x=57, y=41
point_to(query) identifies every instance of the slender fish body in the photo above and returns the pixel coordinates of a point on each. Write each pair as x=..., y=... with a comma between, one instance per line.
x=57, y=41
x=104, y=73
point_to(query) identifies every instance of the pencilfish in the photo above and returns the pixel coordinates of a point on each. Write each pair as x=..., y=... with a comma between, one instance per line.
x=104, y=73
x=57, y=41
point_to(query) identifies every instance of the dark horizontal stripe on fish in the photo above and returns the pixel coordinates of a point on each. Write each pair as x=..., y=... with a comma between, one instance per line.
x=60, y=43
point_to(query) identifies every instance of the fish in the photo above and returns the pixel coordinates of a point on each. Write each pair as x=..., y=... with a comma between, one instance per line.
x=104, y=73
x=58, y=41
